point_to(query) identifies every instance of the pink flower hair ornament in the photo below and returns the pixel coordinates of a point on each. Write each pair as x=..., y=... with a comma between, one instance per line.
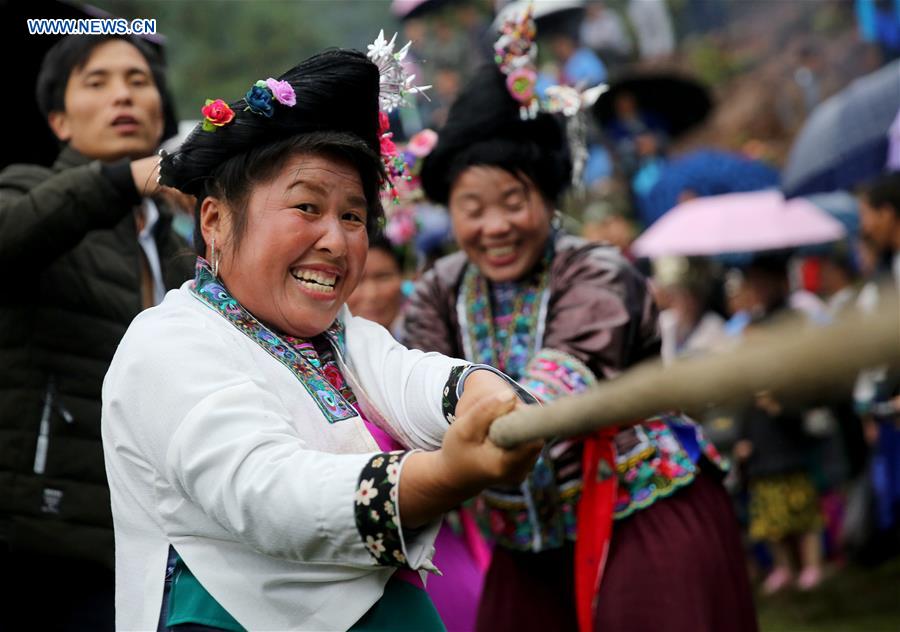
x=421, y=143
x=521, y=84
x=515, y=52
x=282, y=91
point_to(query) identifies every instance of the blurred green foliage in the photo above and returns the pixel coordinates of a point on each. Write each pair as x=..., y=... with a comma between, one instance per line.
x=217, y=49
x=710, y=60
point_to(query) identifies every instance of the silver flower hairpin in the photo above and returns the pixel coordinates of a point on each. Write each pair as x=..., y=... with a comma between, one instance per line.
x=515, y=52
x=396, y=83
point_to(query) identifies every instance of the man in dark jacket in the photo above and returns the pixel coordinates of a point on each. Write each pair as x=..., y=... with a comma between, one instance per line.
x=877, y=392
x=84, y=247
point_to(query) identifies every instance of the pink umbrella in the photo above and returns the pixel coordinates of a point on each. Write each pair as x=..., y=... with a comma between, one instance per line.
x=401, y=7
x=405, y=9
x=738, y=222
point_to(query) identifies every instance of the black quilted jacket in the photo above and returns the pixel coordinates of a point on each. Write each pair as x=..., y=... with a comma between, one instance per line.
x=70, y=284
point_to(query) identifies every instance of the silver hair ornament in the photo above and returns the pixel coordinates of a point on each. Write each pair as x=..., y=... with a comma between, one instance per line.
x=395, y=82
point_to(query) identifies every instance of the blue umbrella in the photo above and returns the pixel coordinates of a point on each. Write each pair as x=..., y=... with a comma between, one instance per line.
x=842, y=206
x=433, y=228
x=703, y=172
x=845, y=139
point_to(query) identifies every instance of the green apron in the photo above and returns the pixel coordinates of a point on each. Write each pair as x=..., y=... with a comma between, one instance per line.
x=401, y=607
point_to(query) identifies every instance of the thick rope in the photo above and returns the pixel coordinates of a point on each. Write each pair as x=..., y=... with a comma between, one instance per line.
x=792, y=359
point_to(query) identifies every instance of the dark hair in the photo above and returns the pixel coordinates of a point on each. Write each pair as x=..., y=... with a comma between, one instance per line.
x=484, y=127
x=883, y=191
x=335, y=115
x=519, y=158
x=234, y=179
x=842, y=258
x=772, y=264
x=380, y=242
x=72, y=52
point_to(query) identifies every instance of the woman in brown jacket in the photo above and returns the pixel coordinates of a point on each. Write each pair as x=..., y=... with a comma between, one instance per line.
x=642, y=508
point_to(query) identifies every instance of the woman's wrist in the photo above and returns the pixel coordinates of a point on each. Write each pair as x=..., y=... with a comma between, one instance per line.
x=478, y=385
x=431, y=485
x=433, y=482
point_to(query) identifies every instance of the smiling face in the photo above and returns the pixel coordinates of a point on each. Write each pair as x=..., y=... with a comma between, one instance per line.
x=502, y=223
x=379, y=294
x=112, y=106
x=304, y=246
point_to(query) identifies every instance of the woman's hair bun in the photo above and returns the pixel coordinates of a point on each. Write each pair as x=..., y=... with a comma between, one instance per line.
x=484, y=127
x=336, y=91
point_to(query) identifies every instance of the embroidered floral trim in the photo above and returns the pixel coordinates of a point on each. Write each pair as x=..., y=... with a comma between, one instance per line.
x=376, y=508
x=663, y=465
x=632, y=447
x=542, y=513
x=551, y=374
x=450, y=398
x=211, y=291
x=508, y=519
x=554, y=485
x=521, y=393
x=503, y=336
x=455, y=386
x=324, y=360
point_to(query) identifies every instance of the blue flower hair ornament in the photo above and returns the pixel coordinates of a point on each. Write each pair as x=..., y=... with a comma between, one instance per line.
x=262, y=95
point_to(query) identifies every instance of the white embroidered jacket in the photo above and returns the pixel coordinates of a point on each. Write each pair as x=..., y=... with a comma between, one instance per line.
x=217, y=448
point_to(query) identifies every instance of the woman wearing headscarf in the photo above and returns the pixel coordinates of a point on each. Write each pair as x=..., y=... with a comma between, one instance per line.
x=639, y=512
x=274, y=462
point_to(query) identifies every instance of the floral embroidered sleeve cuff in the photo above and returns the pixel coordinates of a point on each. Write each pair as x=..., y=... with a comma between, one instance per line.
x=457, y=381
x=378, y=513
x=551, y=374
x=450, y=396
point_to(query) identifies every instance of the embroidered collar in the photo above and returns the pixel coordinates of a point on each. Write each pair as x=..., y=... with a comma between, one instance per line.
x=211, y=291
x=502, y=323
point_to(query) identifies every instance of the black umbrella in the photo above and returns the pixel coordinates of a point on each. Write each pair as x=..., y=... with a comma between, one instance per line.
x=39, y=145
x=680, y=102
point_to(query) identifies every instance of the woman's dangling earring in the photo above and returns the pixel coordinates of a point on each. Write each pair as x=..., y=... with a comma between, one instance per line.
x=215, y=259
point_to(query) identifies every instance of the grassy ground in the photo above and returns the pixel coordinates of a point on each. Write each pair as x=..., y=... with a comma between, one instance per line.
x=863, y=599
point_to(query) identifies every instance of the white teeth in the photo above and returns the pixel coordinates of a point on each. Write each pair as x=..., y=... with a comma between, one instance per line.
x=505, y=251
x=316, y=287
x=319, y=278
